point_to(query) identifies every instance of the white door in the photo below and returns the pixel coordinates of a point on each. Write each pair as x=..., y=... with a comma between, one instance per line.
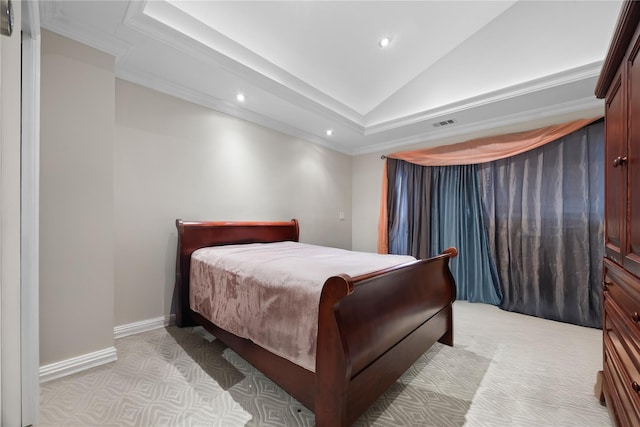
x=10, y=165
x=30, y=212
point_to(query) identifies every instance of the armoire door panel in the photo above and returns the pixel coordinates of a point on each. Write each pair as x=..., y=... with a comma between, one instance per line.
x=632, y=247
x=615, y=175
x=632, y=256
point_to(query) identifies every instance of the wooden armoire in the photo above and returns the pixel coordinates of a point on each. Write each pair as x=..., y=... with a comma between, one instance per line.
x=619, y=85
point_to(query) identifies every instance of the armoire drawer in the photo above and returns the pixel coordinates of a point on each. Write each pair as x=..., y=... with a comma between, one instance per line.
x=624, y=289
x=616, y=399
x=622, y=361
x=620, y=405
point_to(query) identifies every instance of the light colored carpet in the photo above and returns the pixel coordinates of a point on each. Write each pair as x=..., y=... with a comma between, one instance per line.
x=505, y=369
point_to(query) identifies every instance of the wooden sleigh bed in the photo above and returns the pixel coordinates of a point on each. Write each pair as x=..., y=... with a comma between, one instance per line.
x=406, y=309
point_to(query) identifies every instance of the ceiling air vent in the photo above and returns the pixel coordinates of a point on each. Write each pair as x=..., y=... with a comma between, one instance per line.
x=443, y=123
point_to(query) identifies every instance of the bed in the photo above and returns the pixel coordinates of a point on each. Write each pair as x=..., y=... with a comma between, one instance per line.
x=404, y=309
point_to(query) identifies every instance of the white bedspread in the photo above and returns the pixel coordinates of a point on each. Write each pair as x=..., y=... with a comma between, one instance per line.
x=270, y=293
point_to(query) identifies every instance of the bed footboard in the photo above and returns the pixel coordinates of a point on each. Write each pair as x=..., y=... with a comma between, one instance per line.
x=373, y=328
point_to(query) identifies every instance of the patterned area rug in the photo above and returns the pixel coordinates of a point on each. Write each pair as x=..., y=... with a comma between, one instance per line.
x=184, y=377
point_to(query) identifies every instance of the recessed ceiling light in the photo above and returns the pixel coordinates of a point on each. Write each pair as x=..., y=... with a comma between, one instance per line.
x=240, y=97
x=329, y=132
x=384, y=42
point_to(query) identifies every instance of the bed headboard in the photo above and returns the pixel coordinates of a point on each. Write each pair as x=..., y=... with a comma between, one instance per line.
x=193, y=235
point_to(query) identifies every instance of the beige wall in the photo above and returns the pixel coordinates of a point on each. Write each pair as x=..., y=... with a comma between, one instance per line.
x=76, y=199
x=174, y=159
x=367, y=176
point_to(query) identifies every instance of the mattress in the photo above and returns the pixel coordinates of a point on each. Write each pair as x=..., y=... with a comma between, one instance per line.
x=270, y=292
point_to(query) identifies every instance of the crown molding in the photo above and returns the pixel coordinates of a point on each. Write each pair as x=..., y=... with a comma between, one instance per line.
x=231, y=109
x=196, y=97
x=52, y=18
x=583, y=104
x=278, y=81
x=548, y=82
x=49, y=9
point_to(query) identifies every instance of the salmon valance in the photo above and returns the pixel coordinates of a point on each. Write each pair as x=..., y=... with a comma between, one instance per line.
x=490, y=148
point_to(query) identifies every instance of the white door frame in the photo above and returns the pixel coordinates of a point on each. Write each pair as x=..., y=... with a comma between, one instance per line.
x=30, y=217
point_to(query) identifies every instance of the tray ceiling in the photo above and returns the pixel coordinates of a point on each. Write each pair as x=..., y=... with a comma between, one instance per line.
x=304, y=67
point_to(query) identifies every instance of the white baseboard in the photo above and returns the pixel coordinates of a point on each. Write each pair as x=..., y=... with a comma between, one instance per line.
x=143, y=326
x=77, y=364
x=101, y=357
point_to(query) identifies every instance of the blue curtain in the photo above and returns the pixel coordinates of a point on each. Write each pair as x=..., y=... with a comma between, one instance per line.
x=457, y=220
x=408, y=200
x=432, y=208
x=545, y=218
